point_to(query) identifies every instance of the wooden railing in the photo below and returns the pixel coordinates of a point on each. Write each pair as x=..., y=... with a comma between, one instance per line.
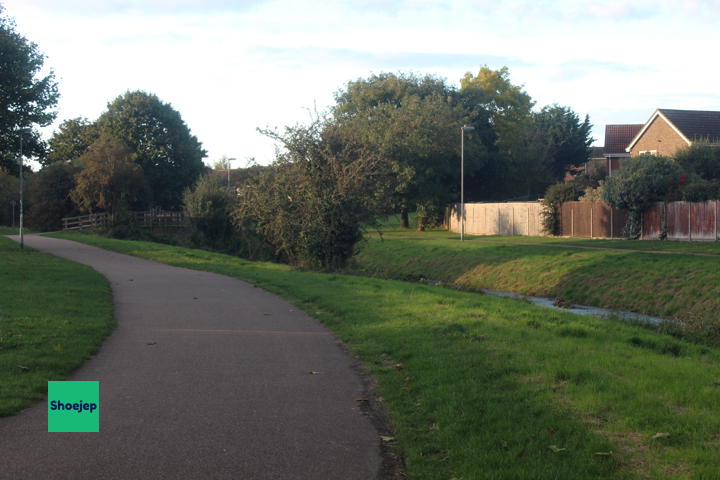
x=82, y=222
x=147, y=219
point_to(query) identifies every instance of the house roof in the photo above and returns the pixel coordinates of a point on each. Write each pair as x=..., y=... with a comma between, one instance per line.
x=597, y=152
x=695, y=125
x=617, y=137
x=691, y=125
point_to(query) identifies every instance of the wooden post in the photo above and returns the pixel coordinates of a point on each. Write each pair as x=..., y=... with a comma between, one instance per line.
x=528, y=221
x=592, y=207
x=612, y=223
x=512, y=222
x=572, y=221
x=689, y=204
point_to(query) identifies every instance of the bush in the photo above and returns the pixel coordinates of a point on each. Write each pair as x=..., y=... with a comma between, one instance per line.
x=208, y=205
x=554, y=197
x=639, y=183
x=311, y=205
x=9, y=196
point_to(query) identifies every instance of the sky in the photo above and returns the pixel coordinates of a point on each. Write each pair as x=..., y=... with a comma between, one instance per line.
x=230, y=67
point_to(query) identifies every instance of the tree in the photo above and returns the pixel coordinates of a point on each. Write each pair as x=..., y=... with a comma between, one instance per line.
x=160, y=141
x=501, y=113
x=49, y=196
x=413, y=124
x=563, y=140
x=108, y=180
x=26, y=96
x=71, y=140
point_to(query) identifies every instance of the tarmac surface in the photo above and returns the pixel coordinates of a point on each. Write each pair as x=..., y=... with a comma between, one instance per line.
x=204, y=377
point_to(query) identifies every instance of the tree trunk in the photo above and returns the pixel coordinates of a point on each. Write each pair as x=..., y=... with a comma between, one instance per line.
x=404, y=220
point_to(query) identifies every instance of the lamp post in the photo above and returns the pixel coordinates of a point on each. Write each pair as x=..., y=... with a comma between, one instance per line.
x=228, y=170
x=22, y=132
x=462, y=180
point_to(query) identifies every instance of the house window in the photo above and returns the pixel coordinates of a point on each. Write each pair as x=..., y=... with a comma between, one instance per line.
x=649, y=152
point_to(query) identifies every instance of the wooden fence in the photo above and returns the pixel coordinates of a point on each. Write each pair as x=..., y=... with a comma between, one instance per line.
x=522, y=218
x=682, y=220
x=153, y=219
x=591, y=220
x=83, y=222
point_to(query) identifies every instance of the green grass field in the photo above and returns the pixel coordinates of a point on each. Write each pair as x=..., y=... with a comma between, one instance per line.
x=53, y=315
x=483, y=387
x=673, y=285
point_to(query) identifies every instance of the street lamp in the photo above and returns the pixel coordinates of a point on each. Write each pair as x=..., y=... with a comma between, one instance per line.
x=22, y=132
x=228, y=160
x=462, y=180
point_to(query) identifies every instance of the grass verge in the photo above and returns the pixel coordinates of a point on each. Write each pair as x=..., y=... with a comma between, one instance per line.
x=677, y=286
x=482, y=387
x=53, y=315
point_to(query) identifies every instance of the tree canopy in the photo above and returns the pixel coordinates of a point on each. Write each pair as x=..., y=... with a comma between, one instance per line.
x=27, y=95
x=73, y=137
x=412, y=123
x=160, y=142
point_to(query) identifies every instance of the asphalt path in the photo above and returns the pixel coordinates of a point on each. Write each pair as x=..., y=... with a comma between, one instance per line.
x=205, y=376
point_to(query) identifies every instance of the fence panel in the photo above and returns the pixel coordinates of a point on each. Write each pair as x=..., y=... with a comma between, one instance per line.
x=703, y=220
x=652, y=222
x=678, y=221
x=522, y=218
x=591, y=220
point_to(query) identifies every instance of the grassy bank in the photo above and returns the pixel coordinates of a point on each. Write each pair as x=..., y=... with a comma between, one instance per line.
x=481, y=387
x=672, y=285
x=53, y=315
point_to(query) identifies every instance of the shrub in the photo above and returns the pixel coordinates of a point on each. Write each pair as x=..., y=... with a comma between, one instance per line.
x=640, y=182
x=311, y=205
x=554, y=196
x=208, y=205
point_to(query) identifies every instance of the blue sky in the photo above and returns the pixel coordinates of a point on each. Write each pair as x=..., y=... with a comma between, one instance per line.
x=232, y=66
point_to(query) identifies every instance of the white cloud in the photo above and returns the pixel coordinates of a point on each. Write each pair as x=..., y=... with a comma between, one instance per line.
x=229, y=67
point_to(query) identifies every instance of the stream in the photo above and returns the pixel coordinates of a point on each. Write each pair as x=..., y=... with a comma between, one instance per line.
x=580, y=309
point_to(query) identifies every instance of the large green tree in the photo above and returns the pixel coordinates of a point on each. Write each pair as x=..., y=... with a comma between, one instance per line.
x=562, y=140
x=413, y=123
x=109, y=180
x=161, y=142
x=27, y=95
x=502, y=113
x=71, y=140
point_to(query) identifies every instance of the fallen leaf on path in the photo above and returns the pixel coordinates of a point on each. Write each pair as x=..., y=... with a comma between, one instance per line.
x=387, y=439
x=556, y=449
x=313, y=372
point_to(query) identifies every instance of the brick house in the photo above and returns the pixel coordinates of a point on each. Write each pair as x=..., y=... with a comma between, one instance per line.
x=668, y=131
x=617, y=138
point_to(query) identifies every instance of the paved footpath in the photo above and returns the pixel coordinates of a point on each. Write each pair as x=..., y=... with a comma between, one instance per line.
x=205, y=377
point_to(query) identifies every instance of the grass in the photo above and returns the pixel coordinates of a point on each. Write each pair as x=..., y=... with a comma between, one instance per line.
x=676, y=286
x=491, y=388
x=53, y=315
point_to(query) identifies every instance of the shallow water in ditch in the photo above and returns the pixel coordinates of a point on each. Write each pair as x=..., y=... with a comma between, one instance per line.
x=580, y=309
